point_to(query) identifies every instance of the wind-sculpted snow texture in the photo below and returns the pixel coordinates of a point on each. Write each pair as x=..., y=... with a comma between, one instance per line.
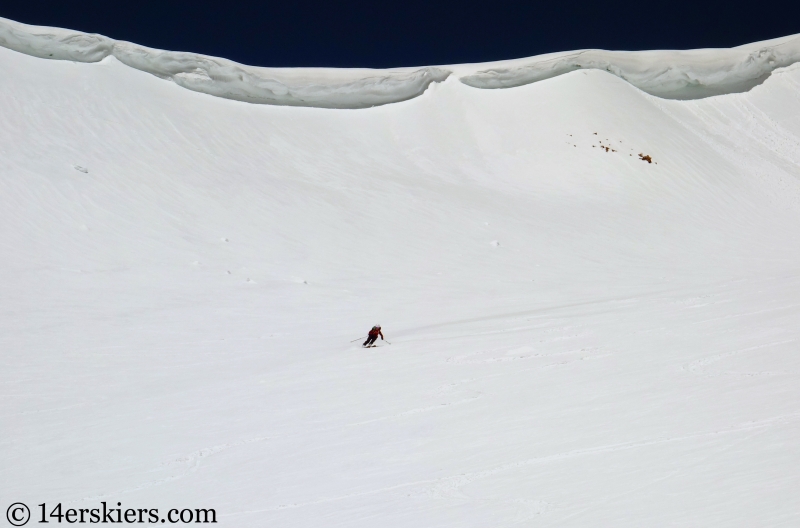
x=690, y=74
x=669, y=74
x=317, y=87
x=592, y=296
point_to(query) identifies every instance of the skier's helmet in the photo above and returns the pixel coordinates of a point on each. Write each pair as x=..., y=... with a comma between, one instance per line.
x=378, y=327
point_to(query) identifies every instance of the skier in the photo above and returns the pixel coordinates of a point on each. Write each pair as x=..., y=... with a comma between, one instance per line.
x=373, y=336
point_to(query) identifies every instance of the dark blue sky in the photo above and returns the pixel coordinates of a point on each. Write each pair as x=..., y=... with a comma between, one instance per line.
x=410, y=33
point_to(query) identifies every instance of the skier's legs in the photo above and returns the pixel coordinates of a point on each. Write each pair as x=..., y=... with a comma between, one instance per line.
x=370, y=340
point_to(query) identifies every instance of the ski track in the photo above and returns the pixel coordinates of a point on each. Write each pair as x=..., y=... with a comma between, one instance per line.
x=417, y=411
x=745, y=314
x=670, y=475
x=192, y=461
x=448, y=487
x=571, y=328
x=697, y=366
x=463, y=360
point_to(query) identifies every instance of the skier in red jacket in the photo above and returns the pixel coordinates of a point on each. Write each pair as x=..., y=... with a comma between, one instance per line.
x=373, y=336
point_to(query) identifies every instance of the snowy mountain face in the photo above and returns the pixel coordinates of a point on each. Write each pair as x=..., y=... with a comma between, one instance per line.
x=590, y=294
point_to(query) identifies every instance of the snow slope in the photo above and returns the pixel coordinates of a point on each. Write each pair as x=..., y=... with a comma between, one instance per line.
x=688, y=74
x=578, y=337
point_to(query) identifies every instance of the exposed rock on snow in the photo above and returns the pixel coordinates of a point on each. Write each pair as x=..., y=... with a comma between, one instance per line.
x=689, y=74
x=627, y=356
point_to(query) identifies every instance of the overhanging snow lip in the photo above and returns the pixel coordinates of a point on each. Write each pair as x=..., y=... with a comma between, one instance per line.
x=691, y=74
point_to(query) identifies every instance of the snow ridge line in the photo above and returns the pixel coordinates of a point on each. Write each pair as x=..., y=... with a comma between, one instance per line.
x=312, y=87
x=690, y=74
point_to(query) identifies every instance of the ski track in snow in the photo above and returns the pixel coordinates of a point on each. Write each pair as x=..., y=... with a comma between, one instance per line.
x=176, y=316
x=192, y=461
x=469, y=358
x=449, y=487
x=699, y=366
x=668, y=476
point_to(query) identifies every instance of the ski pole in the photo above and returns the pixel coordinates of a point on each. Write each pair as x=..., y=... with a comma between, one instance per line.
x=354, y=340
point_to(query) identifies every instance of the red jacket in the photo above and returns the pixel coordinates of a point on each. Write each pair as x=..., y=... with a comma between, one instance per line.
x=375, y=332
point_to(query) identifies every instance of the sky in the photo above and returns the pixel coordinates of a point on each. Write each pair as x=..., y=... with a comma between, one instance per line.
x=381, y=34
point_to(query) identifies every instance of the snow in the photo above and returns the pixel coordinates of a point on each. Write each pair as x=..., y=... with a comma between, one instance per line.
x=316, y=87
x=578, y=337
x=688, y=74
x=691, y=74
